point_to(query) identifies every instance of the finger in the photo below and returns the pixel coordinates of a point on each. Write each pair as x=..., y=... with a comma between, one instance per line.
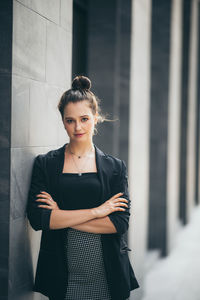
x=121, y=199
x=43, y=196
x=45, y=193
x=45, y=206
x=119, y=209
x=121, y=204
x=43, y=200
x=117, y=195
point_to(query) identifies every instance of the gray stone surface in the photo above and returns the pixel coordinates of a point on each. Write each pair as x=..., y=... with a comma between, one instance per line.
x=41, y=73
x=49, y=9
x=29, y=43
x=66, y=15
x=20, y=111
x=44, y=130
x=58, y=55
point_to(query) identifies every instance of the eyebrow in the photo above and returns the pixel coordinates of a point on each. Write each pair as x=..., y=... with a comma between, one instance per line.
x=79, y=117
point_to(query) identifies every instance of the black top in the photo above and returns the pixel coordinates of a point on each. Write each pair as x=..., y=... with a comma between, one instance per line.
x=80, y=192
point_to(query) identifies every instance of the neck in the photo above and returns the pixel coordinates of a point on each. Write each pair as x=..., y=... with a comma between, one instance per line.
x=79, y=148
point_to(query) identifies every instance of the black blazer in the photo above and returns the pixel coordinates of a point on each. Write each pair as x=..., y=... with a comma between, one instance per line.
x=51, y=275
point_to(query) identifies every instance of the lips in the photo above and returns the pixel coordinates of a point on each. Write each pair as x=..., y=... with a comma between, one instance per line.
x=79, y=134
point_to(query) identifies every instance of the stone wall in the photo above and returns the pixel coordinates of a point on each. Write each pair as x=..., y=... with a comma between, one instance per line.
x=41, y=71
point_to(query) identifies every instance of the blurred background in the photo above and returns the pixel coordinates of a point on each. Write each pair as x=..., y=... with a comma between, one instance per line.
x=143, y=58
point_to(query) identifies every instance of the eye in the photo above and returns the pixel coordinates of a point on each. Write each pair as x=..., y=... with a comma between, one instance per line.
x=68, y=121
x=84, y=119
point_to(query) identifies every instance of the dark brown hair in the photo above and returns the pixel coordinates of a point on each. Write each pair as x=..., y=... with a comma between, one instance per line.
x=80, y=91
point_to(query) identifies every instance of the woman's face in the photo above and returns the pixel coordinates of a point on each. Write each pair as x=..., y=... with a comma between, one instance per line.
x=79, y=121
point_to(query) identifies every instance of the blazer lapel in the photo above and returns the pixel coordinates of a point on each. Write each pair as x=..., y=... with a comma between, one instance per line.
x=103, y=172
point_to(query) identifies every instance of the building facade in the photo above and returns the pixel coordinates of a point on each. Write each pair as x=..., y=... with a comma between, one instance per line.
x=143, y=58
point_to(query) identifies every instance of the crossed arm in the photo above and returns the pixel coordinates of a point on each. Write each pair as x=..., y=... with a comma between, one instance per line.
x=110, y=217
x=93, y=220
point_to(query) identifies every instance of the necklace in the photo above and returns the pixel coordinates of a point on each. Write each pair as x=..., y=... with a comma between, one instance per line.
x=79, y=156
x=79, y=172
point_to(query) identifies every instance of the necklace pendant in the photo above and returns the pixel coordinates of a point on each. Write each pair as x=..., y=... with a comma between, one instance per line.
x=79, y=174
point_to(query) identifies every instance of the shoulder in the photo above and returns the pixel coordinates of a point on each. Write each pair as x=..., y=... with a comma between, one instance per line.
x=51, y=154
x=112, y=161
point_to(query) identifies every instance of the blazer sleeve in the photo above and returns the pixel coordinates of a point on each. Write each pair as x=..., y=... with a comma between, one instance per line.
x=120, y=219
x=38, y=217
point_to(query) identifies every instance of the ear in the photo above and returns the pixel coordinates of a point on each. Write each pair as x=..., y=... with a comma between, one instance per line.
x=96, y=118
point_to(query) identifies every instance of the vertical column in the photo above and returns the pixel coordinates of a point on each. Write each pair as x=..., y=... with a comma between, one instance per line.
x=6, y=23
x=41, y=71
x=184, y=109
x=139, y=134
x=80, y=37
x=192, y=107
x=197, y=177
x=174, y=123
x=160, y=53
x=109, y=70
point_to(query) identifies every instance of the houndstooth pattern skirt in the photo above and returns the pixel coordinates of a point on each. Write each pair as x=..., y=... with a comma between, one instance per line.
x=86, y=273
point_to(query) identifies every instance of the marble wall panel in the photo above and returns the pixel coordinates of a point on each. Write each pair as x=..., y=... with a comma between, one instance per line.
x=41, y=73
x=29, y=43
x=20, y=269
x=20, y=111
x=20, y=178
x=66, y=16
x=49, y=9
x=58, y=55
x=44, y=118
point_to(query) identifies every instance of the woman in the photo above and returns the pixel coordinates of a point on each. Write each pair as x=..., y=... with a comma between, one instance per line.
x=79, y=198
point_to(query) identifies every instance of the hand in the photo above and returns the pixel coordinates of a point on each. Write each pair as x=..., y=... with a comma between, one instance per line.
x=46, y=198
x=113, y=204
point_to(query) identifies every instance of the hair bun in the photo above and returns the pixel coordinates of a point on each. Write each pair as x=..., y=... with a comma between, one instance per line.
x=81, y=83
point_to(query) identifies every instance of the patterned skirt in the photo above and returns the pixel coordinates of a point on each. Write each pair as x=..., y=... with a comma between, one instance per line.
x=86, y=272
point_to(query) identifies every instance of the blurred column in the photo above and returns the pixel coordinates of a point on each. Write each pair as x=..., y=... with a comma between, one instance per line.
x=108, y=67
x=173, y=152
x=192, y=107
x=139, y=135
x=160, y=59
x=197, y=179
x=184, y=108
x=6, y=23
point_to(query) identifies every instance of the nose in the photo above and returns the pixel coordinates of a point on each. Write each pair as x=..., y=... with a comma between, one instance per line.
x=77, y=125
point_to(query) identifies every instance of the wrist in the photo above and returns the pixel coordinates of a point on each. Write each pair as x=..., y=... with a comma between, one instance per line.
x=94, y=212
